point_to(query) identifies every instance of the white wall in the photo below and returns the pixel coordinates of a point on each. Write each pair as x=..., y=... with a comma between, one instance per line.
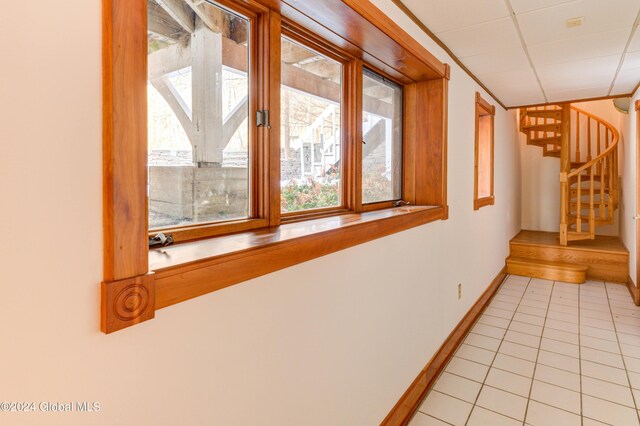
x=332, y=341
x=540, y=177
x=629, y=186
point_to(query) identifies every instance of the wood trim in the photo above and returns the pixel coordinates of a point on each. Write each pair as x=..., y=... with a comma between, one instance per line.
x=189, y=270
x=637, y=222
x=444, y=47
x=634, y=291
x=408, y=404
x=124, y=48
x=127, y=302
x=573, y=101
x=483, y=108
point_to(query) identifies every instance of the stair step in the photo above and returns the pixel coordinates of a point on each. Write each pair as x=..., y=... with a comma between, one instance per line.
x=552, y=140
x=585, y=220
x=555, y=114
x=578, y=236
x=552, y=153
x=543, y=128
x=546, y=269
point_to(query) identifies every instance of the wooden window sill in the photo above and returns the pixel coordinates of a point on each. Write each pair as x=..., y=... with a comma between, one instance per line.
x=482, y=202
x=188, y=270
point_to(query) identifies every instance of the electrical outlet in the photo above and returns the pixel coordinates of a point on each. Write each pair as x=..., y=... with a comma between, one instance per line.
x=459, y=291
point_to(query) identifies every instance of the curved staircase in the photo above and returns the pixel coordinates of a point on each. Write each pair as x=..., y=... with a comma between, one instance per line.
x=587, y=147
x=588, y=150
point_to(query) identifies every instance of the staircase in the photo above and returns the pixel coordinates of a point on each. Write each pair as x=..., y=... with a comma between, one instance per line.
x=587, y=147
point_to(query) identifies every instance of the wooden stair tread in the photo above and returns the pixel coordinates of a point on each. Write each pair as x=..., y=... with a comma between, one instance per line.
x=547, y=269
x=555, y=114
x=555, y=127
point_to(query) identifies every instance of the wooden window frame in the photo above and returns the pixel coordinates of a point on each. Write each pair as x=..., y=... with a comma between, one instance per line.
x=139, y=281
x=483, y=108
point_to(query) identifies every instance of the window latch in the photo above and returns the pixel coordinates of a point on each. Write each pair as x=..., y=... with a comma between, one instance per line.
x=160, y=240
x=401, y=203
x=262, y=118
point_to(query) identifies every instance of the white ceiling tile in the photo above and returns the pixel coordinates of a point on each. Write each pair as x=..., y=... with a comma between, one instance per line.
x=579, y=74
x=510, y=79
x=440, y=15
x=547, y=25
x=577, y=48
x=626, y=81
x=572, y=94
x=520, y=96
x=505, y=60
x=631, y=60
x=635, y=41
x=483, y=38
x=521, y=6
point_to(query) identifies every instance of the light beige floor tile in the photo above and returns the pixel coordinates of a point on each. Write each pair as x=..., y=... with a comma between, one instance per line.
x=600, y=315
x=459, y=387
x=590, y=422
x=535, y=304
x=561, y=316
x=488, y=330
x=597, y=323
x=476, y=354
x=561, y=362
x=502, y=402
x=500, y=313
x=483, y=342
x=628, y=329
x=528, y=319
x=539, y=414
x=601, y=357
x=600, y=344
x=598, y=333
x=507, y=299
x=561, y=348
x=511, y=307
x=509, y=382
x=521, y=338
x=561, y=336
x=554, y=376
x=604, y=372
x=608, y=412
x=624, y=319
x=522, y=327
x=483, y=417
x=468, y=369
x=630, y=350
x=446, y=408
x=514, y=365
x=569, y=327
x=421, y=419
x=632, y=364
x=494, y=321
x=607, y=391
x=634, y=378
x=571, y=310
x=556, y=396
x=527, y=309
x=519, y=351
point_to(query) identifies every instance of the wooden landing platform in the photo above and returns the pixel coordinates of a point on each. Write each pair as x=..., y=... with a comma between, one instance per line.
x=606, y=258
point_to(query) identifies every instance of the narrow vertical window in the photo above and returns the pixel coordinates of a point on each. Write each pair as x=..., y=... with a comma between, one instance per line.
x=198, y=102
x=484, y=153
x=311, y=145
x=382, y=137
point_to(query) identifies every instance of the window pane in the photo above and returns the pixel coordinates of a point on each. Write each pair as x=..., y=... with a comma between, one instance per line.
x=198, y=91
x=382, y=134
x=311, y=144
x=484, y=156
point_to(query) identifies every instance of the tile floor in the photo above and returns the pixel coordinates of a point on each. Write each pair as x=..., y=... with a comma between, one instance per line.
x=544, y=353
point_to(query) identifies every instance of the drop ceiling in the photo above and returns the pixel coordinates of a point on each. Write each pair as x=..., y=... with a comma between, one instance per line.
x=525, y=54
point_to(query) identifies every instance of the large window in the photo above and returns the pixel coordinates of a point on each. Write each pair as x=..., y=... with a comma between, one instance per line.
x=382, y=139
x=483, y=170
x=258, y=135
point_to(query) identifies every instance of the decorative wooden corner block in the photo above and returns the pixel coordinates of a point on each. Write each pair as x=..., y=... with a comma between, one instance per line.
x=127, y=302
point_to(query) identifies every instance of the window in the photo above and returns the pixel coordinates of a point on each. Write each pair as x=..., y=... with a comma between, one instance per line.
x=382, y=139
x=483, y=170
x=258, y=134
x=198, y=105
x=311, y=134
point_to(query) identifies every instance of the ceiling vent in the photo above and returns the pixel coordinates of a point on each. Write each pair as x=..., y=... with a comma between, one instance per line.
x=574, y=22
